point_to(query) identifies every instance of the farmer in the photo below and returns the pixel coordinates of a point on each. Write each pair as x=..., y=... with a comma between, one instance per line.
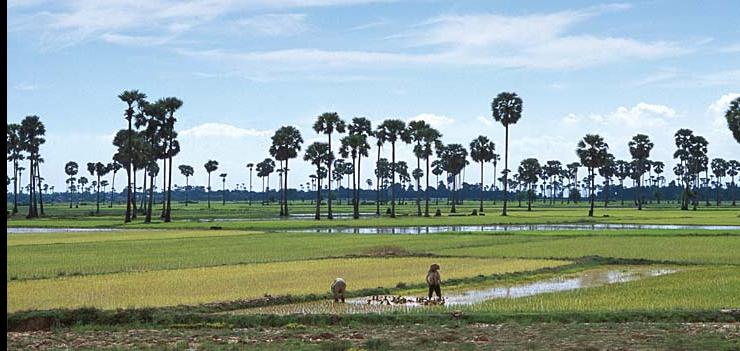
x=434, y=280
x=337, y=289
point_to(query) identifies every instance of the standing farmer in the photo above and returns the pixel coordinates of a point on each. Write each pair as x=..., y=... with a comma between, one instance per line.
x=434, y=280
x=337, y=289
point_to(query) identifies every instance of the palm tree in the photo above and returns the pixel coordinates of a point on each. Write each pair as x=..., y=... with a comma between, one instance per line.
x=415, y=134
x=481, y=151
x=355, y=146
x=719, y=168
x=453, y=159
x=640, y=147
x=529, y=171
x=327, y=123
x=210, y=166
x=82, y=181
x=285, y=145
x=393, y=130
x=733, y=168
x=187, y=171
x=223, y=188
x=14, y=150
x=98, y=169
x=494, y=160
x=171, y=104
x=152, y=170
x=71, y=169
x=658, y=168
x=114, y=166
x=380, y=138
x=733, y=118
x=250, y=166
x=319, y=155
x=130, y=97
x=553, y=169
x=363, y=128
x=32, y=131
x=592, y=150
x=507, y=109
x=607, y=171
x=264, y=169
x=437, y=170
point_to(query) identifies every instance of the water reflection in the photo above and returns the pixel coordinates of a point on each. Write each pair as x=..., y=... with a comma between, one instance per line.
x=507, y=228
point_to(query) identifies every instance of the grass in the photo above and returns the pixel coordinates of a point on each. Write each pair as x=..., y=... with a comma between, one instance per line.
x=201, y=285
x=719, y=250
x=692, y=289
x=31, y=257
x=186, y=218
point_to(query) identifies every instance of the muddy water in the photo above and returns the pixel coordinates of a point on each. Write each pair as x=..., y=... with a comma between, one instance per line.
x=456, y=298
x=507, y=228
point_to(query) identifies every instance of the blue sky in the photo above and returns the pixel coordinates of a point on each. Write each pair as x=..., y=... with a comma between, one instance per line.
x=245, y=68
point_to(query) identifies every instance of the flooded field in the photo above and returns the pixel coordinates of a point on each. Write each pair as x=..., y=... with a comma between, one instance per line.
x=58, y=230
x=509, y=228
x=460, y=297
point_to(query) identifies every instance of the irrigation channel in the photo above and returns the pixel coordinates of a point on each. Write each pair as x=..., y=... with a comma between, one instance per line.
x=459, y=297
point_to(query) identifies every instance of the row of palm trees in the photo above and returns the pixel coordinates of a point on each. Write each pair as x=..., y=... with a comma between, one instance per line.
x=24, y=141
x=151, y=137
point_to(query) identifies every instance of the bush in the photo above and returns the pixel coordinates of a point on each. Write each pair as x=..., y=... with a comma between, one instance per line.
x=438, y=213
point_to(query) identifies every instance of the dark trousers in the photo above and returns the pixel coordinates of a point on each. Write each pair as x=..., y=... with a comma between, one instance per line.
x=436, y=289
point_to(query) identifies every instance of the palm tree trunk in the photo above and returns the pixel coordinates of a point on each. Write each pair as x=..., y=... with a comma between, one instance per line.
x=529, y=197
x=164, y=187
x=285, y=188
x=168, y=214
x=393, y=180
x=318, y=197
x=606, y=194
x=481, y=188
x=209, y=190
x=356, y=193
x=223, y=192
x=426, y=190
x=133, y=198
x=187, y=191
x=31, y=185
x=144, y=190
x=454, y=191
x=112, y=189
x=328, y=183
x=41, y=198
x=639, y=193
x=148, y=218
x=506, y=167
x=719, y=186
x=15, y=187
x=130, y=164
x=97, y=198
x=494, y=183
x=591, y=208
x=418, y=188
x=377, y=185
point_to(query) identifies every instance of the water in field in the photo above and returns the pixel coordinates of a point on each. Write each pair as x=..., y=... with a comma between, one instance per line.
x=457, y=297
x=507, y=228
x=57, y=230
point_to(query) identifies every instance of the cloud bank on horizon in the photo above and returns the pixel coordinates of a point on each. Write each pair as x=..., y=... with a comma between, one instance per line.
x=243, y=69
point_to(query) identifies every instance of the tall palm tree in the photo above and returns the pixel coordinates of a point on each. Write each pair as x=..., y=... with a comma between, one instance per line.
x=327, y=123
x=529, y=171
x=355, y=146
x=607, y=171
x=733, y=168
x=82, y=181
x=393, y=130
x=592, y=150
x=285, y=145
x=453, y=160
x=130, y=97
x=152, y=170
x=171, y=104
x=507, y=109
x=319, y=155
x=71, y=169
x=719, y=169
x=114, y=166
x=380, y=139
x=732, y=115
x=97, y=169
x=362, y=127
x=223, y=188
x=250, y=166
x=187, y=171
x=482, y=151
x=32, y=131
x=210, y=166
x=415, y=135
x=640, y=147
x=14, y=151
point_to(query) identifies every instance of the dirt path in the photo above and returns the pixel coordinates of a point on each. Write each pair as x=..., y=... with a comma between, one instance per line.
x=602, y=336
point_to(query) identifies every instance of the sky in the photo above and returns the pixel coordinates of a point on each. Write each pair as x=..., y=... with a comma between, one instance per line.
x=245, y=68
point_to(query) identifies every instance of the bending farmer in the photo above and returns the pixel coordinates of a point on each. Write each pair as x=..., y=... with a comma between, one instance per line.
x=337, y=289
x=434, y=280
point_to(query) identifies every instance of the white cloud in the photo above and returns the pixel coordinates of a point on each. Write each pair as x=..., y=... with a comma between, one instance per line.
x=488, y=121
x=26, y=87
x=436, y=121
x=570, y=119
x=223, y=130
x=716, y=109
x=275, y=24
x=640, y=116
